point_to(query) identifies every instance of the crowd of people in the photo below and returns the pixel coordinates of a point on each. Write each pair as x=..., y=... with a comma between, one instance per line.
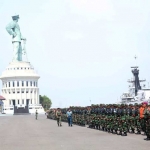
x=119, y=119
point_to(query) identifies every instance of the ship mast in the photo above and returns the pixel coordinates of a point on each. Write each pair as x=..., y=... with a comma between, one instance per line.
x=136, y=81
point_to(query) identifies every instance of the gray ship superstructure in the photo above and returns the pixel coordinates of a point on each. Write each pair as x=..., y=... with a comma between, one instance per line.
x=136, y=92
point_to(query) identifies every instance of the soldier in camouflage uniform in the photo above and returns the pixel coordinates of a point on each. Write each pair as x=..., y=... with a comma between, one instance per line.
x=58, y=116
x=147, y=120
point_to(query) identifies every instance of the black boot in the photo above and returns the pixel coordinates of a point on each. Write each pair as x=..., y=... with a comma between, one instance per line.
x=120, y=133
x=125, y=134
x=138, y=132
x=148, y=138
x=132, y=131
x=112, y=131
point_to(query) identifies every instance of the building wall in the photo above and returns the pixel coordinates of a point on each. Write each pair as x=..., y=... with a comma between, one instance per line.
x=20, y=83
x=20, y=91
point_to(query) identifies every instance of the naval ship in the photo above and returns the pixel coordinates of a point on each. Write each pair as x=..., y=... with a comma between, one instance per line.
x=136, y=93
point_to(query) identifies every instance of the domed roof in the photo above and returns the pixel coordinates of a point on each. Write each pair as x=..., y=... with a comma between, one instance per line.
x=19, y=69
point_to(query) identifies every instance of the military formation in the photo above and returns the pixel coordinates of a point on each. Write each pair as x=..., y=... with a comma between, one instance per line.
x=112, y=118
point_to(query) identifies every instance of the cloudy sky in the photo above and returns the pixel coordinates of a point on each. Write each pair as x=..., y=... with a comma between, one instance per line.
x=82, y=49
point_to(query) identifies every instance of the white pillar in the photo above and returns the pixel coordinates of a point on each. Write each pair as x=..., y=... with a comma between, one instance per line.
x=25, y=95
x=20, y=97
x=36, y=96
x=33, y=98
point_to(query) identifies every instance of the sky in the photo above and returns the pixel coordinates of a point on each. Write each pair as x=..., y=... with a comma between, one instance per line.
x=82, y=49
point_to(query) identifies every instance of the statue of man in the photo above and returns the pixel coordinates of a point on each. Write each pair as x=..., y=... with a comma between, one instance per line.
x=14, y=30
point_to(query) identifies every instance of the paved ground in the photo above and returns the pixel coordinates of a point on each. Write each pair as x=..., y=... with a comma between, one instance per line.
x=26, y=133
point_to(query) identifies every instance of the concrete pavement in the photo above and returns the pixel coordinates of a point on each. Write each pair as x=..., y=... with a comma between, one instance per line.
x=26, y=133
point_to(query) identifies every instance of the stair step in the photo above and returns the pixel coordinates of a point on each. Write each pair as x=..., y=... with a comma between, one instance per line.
x=22, y=113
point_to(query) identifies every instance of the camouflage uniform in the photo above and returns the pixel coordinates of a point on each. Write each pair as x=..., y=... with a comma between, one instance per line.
x=147, y=118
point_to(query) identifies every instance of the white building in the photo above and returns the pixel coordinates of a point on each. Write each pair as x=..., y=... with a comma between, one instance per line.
x=20, y=88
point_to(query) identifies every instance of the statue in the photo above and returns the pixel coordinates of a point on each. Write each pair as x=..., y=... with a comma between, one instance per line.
x=14, y=30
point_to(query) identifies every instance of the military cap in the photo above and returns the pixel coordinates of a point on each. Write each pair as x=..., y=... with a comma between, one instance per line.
x=15, y=17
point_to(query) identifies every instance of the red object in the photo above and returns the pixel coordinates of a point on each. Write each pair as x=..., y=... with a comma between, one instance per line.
x=2, y=98
x=145, y=103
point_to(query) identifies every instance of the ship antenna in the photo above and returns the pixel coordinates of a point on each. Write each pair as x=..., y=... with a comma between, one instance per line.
x=135, y=57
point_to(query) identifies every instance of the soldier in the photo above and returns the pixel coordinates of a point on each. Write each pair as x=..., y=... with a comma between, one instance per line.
x=58, y=116
x=36, y=114
x=142, y=120
x=147, y=121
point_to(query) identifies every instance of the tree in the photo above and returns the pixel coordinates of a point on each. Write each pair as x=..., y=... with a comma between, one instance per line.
x=45, y=102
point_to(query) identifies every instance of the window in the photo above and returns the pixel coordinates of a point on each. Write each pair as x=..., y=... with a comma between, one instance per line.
x=26, y=91
x=31, y=101
x=26, y=83
x=9, y=84
x=9, y=93
x=6, y=84
x=31, y=91
x=9, y=102
x=22, y=83
x=24, y=68
x=22, y=91
x=13, y=84
x=17, y=83
x=30, y=83
x=18, y=101
x=18, y=68
x=23, y=101
x=18, y=92
x=34, y=83
x=13, y=92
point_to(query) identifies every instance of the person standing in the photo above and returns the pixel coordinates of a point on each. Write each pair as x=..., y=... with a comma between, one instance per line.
x=147, y=121
x=36, y=114
x=142, y=119
x=58, y=116
x=69, y=117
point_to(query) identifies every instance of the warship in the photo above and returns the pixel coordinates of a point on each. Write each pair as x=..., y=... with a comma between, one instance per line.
x=136, y=93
